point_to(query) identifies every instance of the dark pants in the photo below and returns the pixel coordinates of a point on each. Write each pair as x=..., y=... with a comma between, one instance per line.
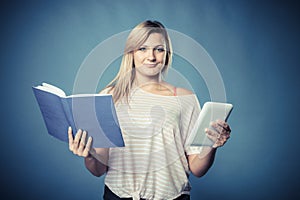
x=109, y=195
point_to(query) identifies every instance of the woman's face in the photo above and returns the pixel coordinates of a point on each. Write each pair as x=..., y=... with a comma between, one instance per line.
x=149, y=58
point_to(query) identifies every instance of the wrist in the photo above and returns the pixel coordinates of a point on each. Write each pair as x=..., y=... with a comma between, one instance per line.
x=89, y=157
x=206, y=151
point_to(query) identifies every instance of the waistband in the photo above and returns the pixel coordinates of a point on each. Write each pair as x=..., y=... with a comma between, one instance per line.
x=109, y=195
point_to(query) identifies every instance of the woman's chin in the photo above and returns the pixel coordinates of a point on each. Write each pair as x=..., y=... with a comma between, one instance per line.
x=149, y=71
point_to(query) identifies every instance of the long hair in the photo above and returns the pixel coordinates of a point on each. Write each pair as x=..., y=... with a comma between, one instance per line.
x=123, y=82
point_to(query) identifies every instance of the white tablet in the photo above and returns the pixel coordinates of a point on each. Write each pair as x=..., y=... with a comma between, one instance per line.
x=211, y=111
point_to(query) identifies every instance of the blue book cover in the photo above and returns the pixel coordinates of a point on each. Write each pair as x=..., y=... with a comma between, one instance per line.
x=94, y=113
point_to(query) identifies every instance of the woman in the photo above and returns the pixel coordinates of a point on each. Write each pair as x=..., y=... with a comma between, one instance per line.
x=156, y=119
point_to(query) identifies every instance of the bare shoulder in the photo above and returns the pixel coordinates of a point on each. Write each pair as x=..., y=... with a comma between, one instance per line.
x=107, y=90
x=179, y=91
x=183, y=91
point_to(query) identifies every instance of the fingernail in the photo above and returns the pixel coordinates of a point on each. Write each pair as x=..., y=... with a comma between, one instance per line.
x=206, y=129
x=69, y=128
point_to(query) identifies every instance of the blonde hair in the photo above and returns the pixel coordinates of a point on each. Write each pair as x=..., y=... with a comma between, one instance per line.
x=123, y=82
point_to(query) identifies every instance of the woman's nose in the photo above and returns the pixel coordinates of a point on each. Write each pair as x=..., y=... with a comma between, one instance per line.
x=151, y=55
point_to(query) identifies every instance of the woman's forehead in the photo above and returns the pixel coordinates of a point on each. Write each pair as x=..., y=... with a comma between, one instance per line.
x=155, y=39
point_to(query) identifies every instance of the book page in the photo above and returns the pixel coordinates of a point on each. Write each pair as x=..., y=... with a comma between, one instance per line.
x=87, y=95
x=52, y=89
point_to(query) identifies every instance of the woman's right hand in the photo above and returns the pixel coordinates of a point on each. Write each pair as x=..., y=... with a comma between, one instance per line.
x=80, y=145
x=94, y=158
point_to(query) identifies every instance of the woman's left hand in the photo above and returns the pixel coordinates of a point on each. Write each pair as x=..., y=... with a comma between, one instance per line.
x=219, y=134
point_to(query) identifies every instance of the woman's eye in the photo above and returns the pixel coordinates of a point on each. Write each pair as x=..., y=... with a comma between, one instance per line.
x=142, y=49
x=160, y=49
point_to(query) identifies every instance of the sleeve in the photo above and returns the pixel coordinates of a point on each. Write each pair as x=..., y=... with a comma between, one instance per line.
x=190, y=110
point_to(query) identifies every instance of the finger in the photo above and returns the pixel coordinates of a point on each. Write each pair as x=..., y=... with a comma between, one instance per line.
x=211, y=137
x=87, y=147
x=70, y=136
x=218, y=143
x=224, y=125
x=224, y=128
x=212, y=134
x=82, y=142
x=76, y=141
x=218, y=139
x=217, y=127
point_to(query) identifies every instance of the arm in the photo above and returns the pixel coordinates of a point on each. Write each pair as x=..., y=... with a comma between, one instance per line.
x=95, y=159
x=200, y=163
x=96, y=163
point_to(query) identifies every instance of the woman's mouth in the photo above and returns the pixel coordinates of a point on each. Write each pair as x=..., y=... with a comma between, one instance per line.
x=150, y=64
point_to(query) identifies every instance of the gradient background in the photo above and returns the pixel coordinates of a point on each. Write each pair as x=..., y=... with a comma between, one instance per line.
x=255, y=46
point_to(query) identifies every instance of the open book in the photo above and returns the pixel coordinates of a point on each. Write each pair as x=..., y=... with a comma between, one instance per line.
x=94, y=113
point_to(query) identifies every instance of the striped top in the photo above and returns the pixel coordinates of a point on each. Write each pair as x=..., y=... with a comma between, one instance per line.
x=153, y=163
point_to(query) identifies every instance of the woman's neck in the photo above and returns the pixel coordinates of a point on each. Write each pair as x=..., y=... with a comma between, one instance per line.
x=153, y=84
x=155, y=87
x=141, y=81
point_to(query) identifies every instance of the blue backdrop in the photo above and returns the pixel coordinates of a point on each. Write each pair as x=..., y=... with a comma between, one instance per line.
x=254, y=44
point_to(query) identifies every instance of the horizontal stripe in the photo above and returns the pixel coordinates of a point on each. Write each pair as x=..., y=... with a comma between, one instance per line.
x=153, y=161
